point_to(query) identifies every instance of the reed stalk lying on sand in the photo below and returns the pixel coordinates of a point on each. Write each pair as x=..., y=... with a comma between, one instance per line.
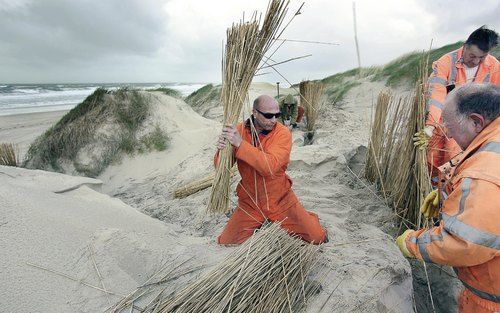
x=268, y=273
x=310, y=100
x=246, y=45
x=197, y=185
x=8, y=155
x=393, y=163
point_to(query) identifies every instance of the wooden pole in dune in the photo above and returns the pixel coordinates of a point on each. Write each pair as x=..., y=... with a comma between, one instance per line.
x=356, y=37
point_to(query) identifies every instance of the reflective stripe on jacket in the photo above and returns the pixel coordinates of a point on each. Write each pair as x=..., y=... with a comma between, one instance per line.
x=468, y=235
x=449, y=70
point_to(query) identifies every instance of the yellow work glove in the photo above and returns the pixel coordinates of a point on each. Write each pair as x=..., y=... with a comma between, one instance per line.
x=400, y=241
x=430, y=207
x=421, y=138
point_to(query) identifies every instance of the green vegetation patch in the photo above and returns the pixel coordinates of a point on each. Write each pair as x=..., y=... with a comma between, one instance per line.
x=104, y=125
x=399, y=71
x=168, y=91
x=405, y=68
x=335, y=93
x=207, y=93
x=156, y=140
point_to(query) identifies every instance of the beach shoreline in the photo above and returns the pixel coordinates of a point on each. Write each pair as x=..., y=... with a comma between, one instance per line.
x=22, y=129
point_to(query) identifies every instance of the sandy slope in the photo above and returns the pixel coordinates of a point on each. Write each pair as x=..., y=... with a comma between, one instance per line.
x=325, y=185
x=54, y=229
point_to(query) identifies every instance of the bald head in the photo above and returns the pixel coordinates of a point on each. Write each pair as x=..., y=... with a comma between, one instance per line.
x=265, y=112
x=265, y=102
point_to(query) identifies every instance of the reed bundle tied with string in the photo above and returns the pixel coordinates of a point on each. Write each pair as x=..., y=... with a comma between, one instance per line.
x=398, y=169
x=270, y=272
x=197, y=185
x=310, y=99
x=8, y=156
x=245, y=46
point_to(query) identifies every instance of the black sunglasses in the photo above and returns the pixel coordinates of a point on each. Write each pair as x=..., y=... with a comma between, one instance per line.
x=269, y=115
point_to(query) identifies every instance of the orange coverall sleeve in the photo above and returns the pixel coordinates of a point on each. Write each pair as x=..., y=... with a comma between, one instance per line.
x=468, y=233
x=269, y=162
x=437, y=89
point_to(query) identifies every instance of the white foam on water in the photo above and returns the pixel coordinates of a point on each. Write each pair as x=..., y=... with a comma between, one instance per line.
x=20, y=99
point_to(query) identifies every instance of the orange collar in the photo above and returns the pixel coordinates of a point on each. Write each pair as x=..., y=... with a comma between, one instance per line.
x=491, y=130
x=449, y=167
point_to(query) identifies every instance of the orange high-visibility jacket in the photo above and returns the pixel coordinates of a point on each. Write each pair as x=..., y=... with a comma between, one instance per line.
x=262, y=168
x=468, y=235
x=449, y=70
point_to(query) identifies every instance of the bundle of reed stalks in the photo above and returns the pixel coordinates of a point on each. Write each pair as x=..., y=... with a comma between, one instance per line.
x=398, y=169
x=246, y=44
x=310, y=99
x=270, y=272
x=8, y=156
x=198, y=185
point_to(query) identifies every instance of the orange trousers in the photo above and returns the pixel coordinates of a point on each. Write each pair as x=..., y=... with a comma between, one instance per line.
x=289, y=212
x=470, y=303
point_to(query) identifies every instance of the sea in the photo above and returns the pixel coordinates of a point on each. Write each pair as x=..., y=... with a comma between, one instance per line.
x=31, y=98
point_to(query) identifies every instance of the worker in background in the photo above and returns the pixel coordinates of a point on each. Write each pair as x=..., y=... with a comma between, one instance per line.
x=262, y=148
x=471, y=63
x=291, y=112
x=468, y=234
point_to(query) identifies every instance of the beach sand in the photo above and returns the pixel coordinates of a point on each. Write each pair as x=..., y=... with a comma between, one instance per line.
x=22, y=129
x=132, y=224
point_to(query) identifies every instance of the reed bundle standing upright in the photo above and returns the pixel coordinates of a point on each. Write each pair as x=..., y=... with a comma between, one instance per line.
x=245, y=47
x=310, y=100
x=393, y=163
x=8, y=155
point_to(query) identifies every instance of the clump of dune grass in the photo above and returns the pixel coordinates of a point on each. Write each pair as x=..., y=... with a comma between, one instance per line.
x=8, y=154
x=168, y=91
x=206, y=94
x=246, y=45
x=271, y=272
x=156, y=140
x=101, y=129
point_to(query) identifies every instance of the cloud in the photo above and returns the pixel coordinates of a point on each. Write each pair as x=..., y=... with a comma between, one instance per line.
x=182, y=40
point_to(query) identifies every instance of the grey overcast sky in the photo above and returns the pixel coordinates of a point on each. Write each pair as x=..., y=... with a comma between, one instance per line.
x=65, y=41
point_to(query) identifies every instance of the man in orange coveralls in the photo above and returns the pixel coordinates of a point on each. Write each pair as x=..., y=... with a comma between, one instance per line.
x=468, y=235
x=264, y=192
x=471, y=63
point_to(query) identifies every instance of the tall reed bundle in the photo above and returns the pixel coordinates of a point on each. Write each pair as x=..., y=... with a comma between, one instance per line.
x=246, y=45
x=310, y=100
x=393, y=163
x=268, y=273
x=197, y=185
x=8, y=155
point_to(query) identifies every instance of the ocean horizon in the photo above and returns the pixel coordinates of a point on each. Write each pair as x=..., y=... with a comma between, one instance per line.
x=36, y=98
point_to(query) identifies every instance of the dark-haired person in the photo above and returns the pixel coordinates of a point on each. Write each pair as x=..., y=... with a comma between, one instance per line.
x=262, y=149
x=468, y=235
x=472, y=63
